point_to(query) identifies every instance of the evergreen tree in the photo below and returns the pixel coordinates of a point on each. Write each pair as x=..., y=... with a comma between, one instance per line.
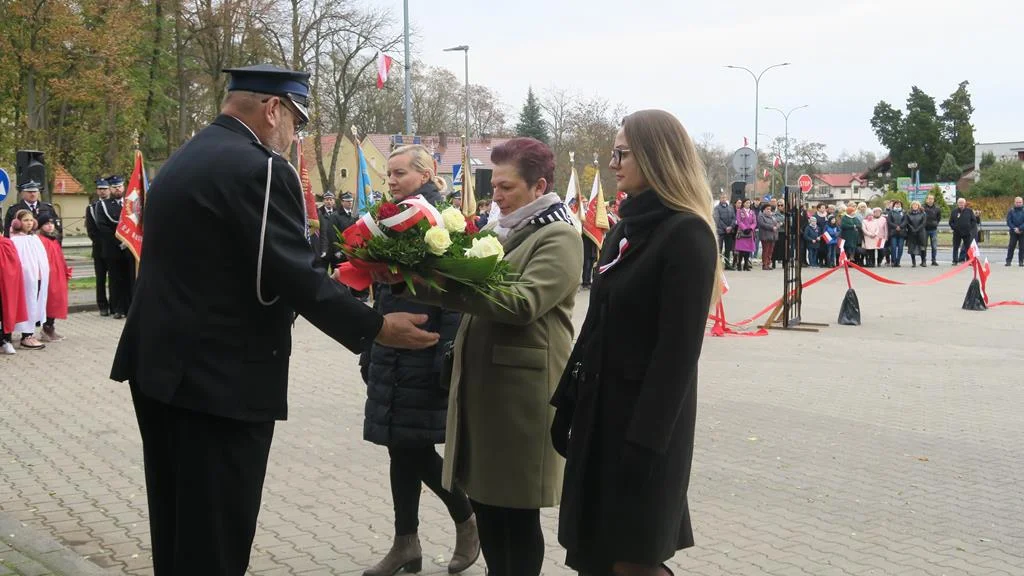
x=531, y=121
x=956, y=124
x=950, y=170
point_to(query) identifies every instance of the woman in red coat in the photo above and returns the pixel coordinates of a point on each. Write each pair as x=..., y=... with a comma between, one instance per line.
x=57, y=294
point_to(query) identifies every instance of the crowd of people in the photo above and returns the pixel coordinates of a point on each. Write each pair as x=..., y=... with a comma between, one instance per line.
x=872, y=237
x=33, y=273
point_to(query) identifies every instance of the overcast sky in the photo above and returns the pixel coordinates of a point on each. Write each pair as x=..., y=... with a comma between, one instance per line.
x=846, y=55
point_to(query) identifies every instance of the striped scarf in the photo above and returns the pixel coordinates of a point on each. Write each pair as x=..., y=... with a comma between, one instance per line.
x=555, y=213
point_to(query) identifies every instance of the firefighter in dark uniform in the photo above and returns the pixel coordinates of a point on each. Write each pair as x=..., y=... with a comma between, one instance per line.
x=99, y=264
x=332, y=222
x=108, y=214
x=126, y=260
x=225, y=268
x=30, y=201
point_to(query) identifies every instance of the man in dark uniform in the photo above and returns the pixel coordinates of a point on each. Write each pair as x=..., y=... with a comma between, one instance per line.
x=99, y=264
x=332, y=222
x=208, y=339
x=125, y=260
x=108, y=214
x=30, y=201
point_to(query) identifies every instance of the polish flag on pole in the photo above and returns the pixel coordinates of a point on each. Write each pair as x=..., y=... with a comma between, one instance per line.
x=725, y=285
x=765, y=174
x=383, y=68
x=745, y=141
x=777, y=162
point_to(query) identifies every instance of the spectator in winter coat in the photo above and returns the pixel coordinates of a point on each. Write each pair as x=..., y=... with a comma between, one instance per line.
x=1015, y=222
x=768, y=230
x=746, y=224
x=964, y=225
x=725, y=226
x=897, y=232
x=407, y=405
x=832, y=229
x=850, y=228
x=876, y=232
x=917, y=237
x=812, y=239
x=933, y=215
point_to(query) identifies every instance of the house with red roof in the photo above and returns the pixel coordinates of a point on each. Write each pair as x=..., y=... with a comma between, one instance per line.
x=834, y=188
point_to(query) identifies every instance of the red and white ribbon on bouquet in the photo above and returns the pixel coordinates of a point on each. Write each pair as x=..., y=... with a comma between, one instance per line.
x=417, y=209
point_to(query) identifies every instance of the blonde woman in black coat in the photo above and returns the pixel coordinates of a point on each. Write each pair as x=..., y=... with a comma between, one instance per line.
x=629, y=393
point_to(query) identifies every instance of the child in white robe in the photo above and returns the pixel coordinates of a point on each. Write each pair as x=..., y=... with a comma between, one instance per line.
x=35, y=268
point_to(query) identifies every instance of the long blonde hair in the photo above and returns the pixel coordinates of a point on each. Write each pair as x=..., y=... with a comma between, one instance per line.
x=670, y=164
x=423, y=162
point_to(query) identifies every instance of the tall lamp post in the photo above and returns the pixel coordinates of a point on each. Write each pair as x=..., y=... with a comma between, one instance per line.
x=785, y=170
x=916, y=175
x=757, y=108
x=465, y=49
x=408, y=74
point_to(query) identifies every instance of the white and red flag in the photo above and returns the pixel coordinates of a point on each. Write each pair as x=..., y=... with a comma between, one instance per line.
x=383, y=69
x=777, y=162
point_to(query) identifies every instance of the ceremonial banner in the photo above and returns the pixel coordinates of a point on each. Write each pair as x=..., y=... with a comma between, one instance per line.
x=595, y=223
x=573, y=199
x=312, y=218
x=364, y=189
x=129, y=227
x=468, y=195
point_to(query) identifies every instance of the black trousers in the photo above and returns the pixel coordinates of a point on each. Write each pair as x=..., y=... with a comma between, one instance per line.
x=960, y=246
x=589, y=259
x=410, y=468
x=1016, y=241
x=510, y=539
x=99, y=265
x=122, y=279
x=204, y=481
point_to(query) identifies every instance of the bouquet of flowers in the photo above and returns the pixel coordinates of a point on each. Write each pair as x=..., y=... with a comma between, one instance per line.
x=418, y=242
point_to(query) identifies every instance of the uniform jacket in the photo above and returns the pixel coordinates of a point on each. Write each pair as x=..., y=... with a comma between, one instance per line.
x=199, y=335
x=330, y=226
x=108, y=214
x=41, y=208
x=633, y=412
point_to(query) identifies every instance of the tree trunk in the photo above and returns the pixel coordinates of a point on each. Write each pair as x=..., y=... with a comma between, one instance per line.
x=154, y=63
x=179, y=55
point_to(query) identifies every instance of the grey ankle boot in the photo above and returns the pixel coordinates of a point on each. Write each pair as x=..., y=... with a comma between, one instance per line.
x=467, y=546
x=405, y=554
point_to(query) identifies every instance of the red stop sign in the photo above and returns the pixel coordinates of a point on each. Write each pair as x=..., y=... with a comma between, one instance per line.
x=805, y=183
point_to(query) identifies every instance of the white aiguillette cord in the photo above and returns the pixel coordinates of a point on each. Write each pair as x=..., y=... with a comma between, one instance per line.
x=263, y=239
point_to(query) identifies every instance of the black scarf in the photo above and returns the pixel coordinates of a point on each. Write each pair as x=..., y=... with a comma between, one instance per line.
x=642, y=213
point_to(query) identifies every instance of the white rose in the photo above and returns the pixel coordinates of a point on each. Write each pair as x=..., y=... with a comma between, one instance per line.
x=438, y=240
x=453, y=219
x=486, y=247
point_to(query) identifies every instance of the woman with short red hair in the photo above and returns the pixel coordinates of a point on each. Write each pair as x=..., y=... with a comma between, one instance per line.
x=508, y=356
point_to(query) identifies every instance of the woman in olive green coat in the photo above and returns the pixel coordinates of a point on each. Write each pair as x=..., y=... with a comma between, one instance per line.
x=507, y=363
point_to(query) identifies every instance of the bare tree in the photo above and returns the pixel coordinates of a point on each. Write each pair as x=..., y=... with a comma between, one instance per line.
x=345, y=71
x=486, y=110
x=435, y=100
x=558, y=104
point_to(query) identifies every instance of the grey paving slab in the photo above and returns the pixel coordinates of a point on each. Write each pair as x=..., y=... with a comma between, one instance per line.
x=888, y=448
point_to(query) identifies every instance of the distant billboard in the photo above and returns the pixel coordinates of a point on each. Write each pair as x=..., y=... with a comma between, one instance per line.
x=919, y=193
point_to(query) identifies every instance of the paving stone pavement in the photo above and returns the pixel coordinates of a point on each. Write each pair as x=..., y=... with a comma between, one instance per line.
x=889, y=448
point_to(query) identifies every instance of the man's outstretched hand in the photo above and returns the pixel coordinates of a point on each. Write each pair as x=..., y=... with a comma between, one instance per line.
x=400, y=330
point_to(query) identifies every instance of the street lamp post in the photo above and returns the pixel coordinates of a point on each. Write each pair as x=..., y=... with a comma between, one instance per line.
x=467, y=169
x=757, y=108
x=408, y=74
x=915, y=174
x=785, y=170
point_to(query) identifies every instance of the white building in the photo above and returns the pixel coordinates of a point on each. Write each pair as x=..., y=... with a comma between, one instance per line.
x=833, y=188
x=1001, y=150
